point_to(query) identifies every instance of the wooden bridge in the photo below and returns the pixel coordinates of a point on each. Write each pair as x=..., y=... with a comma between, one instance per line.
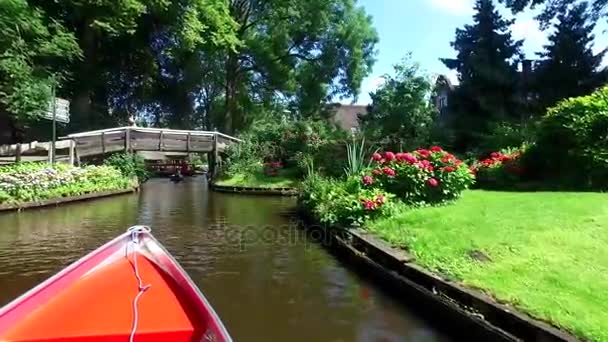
x=148, y=139
x=128, y=139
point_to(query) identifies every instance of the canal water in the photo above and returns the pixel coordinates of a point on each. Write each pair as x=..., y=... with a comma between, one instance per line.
x=264, y=277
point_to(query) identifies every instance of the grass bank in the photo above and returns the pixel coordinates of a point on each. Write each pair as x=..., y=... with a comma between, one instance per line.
x=544, y=253
x=285, y=178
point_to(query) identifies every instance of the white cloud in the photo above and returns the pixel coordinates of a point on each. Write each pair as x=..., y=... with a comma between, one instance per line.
x=376, y=83
x=452, y=75
x=528, y=29
x=454, y=7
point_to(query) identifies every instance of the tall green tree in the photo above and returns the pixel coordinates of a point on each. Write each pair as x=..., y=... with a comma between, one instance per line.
x=401, y=114
x=569, y=67
x=487, y=70
x=553, y=8
x=300, y=52
x=128, y=46
x=32, y=51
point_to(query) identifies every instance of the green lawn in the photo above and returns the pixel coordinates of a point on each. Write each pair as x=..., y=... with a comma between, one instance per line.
x=284, y=179
x=548, y=252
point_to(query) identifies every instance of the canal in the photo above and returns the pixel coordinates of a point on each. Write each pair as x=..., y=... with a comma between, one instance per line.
x=262, y=274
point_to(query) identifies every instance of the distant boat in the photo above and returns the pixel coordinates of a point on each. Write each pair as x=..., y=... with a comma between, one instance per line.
x=130, y=289
x=176, y=178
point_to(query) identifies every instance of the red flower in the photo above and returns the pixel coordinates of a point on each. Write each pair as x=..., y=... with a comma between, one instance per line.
x=369, y=205
x=448, y=158
x=380, y=200
x=432, y=182
x=377, y=157
x=488, y=162
x=504, y=158
x=458, y=162
x=367, y=180
x=389, y=156
x=377, y=172
x=389, y=172
x=448, y=169
x=410, y=158
x=495, y=155
x=423, y=153
x=430, y=168
x=436, y=149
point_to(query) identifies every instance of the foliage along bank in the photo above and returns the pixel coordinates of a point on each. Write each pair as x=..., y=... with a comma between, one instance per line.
x=390, y=181
x=281, y=152
x=27, y=182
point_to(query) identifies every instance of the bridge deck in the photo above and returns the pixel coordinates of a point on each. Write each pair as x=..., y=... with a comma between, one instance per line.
x=148, y=139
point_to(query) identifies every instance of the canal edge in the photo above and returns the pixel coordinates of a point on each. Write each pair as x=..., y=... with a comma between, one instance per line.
x=464, y=308
x=66, y=200
x=243, y=190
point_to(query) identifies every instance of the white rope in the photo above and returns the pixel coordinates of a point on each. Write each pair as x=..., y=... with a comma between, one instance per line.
x=140, y=284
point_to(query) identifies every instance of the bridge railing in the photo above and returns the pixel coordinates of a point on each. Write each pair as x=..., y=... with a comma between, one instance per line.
x=120, y=139
x=149, y=139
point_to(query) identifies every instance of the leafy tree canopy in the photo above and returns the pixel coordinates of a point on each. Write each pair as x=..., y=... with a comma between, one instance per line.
x=32, y=50
x=401, y=113
x=569, y=67
x=552, y=8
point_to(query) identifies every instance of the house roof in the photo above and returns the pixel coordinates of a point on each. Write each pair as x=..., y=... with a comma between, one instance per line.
x=347, y=116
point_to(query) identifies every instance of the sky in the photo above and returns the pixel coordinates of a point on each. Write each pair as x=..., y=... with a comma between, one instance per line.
x=426, y=27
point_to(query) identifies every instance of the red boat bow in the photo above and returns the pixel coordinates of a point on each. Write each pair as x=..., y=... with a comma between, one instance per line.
x=129, y=289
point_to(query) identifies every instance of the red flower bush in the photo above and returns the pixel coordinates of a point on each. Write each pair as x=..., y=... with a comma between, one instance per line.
x=272, y=168
x=422, y=176
x=501, y=169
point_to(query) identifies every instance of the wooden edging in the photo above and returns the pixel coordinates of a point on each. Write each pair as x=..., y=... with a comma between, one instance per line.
x=254, y=190
x=465, y=312
x=64, y=200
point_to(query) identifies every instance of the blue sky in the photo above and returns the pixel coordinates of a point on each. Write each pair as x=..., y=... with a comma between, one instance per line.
x=426, y=28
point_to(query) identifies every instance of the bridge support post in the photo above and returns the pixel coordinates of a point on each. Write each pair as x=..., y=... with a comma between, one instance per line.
x=72, y=152
x=213, y=158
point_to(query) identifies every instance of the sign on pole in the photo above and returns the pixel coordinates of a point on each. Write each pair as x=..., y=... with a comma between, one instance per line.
x=62, y=110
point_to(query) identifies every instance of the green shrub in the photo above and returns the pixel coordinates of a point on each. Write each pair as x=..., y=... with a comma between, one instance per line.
x=26, y=182
x=291, y=143
x=343, y=203
x=504, y=135
x=572, y=142
x=129, y=164
x=419, y=177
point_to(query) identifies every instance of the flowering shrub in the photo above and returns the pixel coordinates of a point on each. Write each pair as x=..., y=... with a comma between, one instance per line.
x=38, y=181
x=423, y=176
x=500, y=169
x=343, y=203
x=272, y=168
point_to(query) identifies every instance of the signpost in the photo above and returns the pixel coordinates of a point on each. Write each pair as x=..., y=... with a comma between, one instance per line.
x=59, y=110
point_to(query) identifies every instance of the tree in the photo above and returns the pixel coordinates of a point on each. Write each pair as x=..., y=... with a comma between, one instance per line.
x=300, y=52
x=553, y=8
x=133, y=50
x=569, y=68
x=487, y=70
x=401, y=113
x=32, y=50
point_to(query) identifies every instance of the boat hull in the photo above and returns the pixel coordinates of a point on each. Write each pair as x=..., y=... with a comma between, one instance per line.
x=130, y=287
